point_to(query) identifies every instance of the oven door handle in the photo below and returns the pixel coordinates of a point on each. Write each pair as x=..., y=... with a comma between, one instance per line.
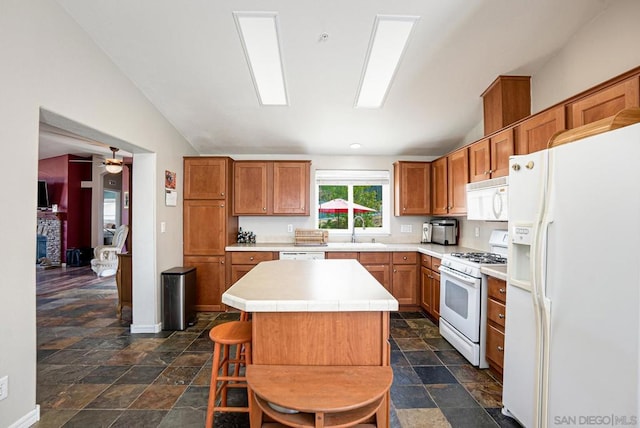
x=468, y=280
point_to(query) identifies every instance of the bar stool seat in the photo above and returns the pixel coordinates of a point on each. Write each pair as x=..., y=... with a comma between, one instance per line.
x=224, y=336
x=319, y=396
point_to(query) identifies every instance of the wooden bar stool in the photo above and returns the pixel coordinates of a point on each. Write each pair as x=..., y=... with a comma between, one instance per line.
x=319, y=396
x=224, y=336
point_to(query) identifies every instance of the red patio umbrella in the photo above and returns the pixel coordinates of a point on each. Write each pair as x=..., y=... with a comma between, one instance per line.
x=339, y=206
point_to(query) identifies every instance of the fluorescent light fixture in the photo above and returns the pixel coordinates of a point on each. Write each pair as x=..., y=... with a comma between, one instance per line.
x=259, y=36
x=387, y=46
x=355, y=146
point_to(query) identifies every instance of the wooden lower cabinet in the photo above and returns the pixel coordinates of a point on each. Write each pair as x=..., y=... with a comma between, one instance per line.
x=430, y=286
x=404, y=278
x=496, y=317
x=243, y=261
x=124, y=282
x=378, y=265
x=398, y=272
x=210, y=281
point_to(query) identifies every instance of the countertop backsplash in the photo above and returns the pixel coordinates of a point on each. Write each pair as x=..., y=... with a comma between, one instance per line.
x=270, y=229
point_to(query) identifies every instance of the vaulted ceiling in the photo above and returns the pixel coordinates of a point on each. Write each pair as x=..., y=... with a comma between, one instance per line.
x=186, y=57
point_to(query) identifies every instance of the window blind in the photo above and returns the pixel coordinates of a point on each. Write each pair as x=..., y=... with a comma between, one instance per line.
x=352, y=176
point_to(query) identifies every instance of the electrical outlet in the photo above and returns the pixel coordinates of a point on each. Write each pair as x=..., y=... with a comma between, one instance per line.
x=289, y=228
x=406, y=228
x=4, y=387
x=477, y=232
x=163, y=227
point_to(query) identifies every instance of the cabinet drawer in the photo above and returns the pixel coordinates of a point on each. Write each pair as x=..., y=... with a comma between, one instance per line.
x=435, y=264
x=341, y=255
x=496, y=312
x=375, y=258
x=250, y=257
x=426, y=261
x=405, y=258
x=497, y=289
x=495, y=347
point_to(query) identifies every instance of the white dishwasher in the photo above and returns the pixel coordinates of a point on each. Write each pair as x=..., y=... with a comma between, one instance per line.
x=301, y=255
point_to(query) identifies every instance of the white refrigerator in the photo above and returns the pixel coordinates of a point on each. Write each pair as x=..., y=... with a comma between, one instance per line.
x=572, y=331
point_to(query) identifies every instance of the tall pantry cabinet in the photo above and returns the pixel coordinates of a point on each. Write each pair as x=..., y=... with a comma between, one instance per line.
x=209, y=225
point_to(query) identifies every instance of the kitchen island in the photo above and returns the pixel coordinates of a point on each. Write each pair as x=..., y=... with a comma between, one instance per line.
x=316, y=313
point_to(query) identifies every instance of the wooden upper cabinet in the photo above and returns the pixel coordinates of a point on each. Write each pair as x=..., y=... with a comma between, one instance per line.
x=250, y=184
x=501, y=148
x=412, y=192
x=291, y=188
x=204, y=227
x=603, y=103
x=480, y=161
x=271, y=188
x=506, y=100
x=205, y=178
x=533, y=134
x=457, y=179
x=439, y=198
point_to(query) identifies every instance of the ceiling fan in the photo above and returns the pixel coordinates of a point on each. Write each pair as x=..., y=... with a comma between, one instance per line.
x=112, y=165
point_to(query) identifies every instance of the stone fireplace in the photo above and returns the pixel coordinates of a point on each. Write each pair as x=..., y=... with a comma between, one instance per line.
x=50, y=226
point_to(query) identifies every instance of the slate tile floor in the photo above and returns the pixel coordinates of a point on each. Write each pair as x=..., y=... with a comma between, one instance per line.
x=92, y=372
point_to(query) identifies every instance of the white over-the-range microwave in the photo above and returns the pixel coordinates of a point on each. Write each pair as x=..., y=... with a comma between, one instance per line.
x=488, y=199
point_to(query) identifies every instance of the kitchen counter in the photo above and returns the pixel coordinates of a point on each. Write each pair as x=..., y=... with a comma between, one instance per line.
x=499, y=272
x=428, y=249
x=309, y=286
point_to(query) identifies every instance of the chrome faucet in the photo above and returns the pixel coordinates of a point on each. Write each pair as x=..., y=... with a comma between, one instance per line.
x=353, y=232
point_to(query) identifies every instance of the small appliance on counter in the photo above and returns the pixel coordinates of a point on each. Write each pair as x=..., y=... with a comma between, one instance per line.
x=444, y=231
x=426, y=233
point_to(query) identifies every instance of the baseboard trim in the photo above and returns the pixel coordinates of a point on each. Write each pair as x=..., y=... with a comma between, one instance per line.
x=27, y=420
x=150, y=328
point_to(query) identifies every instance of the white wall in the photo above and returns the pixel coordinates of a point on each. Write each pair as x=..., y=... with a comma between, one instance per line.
x=605, y=48
x=48, y=62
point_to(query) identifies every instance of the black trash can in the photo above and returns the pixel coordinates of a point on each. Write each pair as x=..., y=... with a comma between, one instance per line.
x=178, y=298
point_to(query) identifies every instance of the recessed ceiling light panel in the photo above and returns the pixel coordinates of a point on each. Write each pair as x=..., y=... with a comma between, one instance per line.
x=261, y=43
x=389, y=40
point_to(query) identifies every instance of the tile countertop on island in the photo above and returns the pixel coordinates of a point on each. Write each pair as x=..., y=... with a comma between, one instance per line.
x=434, y=250
x=309, y=286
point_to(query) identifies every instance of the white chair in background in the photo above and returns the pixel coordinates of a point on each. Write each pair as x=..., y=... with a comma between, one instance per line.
x=105, y=261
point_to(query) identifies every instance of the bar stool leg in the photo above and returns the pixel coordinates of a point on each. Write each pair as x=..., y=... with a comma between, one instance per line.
x=225, y=375
x=213, y=385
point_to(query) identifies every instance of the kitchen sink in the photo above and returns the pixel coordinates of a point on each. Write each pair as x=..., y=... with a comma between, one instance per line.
x=356, y=245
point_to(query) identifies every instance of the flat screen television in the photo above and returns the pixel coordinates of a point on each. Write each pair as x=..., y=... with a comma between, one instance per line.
x=43, y=195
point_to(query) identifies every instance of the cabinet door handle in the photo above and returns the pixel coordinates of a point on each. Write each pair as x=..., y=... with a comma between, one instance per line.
x=394, y=271
x=264, y=208
x=501, y=316
x=404, y=257
x=251, y=258
x=500, y=349
x=221, y=262
x=222, y=194
x=502, y=291
x=221, y=205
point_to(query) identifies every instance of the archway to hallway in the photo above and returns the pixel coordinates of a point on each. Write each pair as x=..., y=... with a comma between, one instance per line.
x=142, y=181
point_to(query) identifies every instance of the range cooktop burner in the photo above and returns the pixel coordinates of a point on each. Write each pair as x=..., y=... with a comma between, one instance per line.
x=482, y=258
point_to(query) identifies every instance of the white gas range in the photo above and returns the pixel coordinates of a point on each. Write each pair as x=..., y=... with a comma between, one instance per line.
x=463, y=298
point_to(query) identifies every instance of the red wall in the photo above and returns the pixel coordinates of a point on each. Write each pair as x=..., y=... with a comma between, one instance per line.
x=64, y=185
